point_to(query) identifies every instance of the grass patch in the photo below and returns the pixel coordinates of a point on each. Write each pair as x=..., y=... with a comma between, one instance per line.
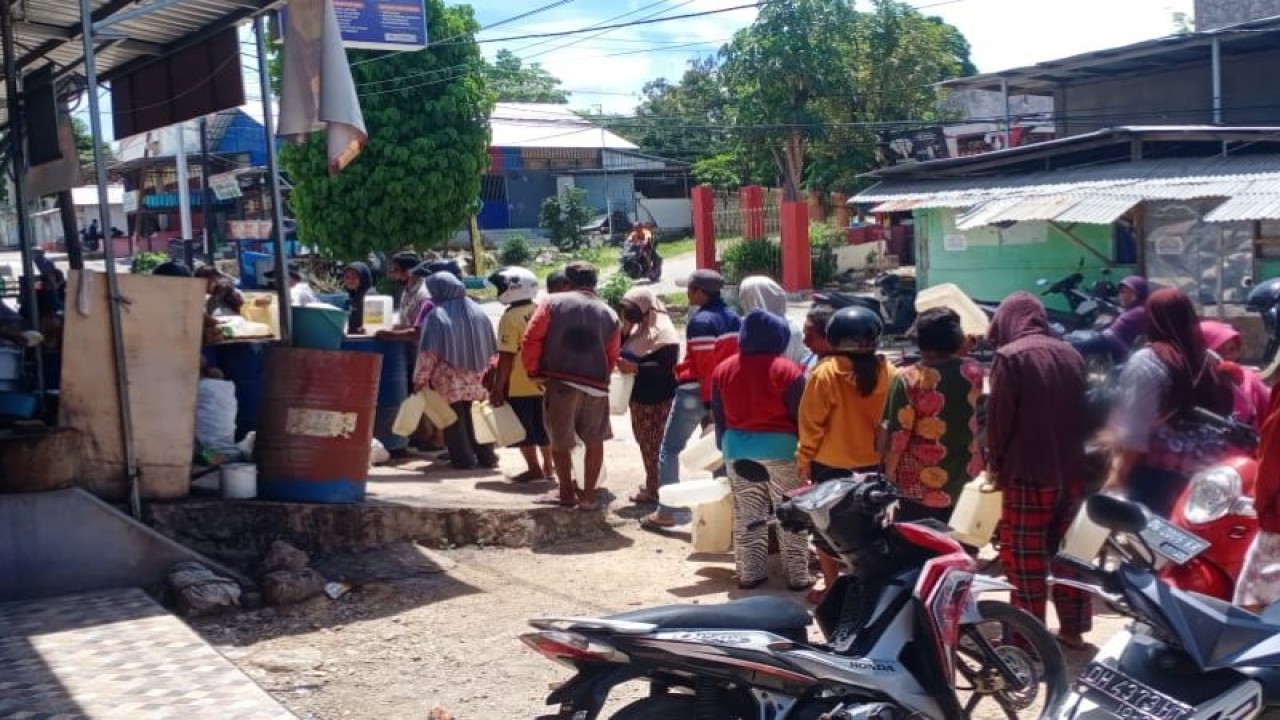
x=676, y=247
x=605, y=258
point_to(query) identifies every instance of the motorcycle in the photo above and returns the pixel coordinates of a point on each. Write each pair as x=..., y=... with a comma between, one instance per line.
x=901, y=627
x=894, y=302
x=1186, y=656
x=1217, y=505
x=634, y=266
x=1090, y=314
x=1264, y=299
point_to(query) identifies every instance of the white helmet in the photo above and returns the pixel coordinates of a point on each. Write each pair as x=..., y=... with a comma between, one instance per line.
x=514, y=284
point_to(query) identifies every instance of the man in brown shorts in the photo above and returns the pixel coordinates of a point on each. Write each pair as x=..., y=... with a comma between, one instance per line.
x=571, y=349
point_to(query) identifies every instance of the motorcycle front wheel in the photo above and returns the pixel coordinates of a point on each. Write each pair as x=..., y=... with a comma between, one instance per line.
x=1016, y=640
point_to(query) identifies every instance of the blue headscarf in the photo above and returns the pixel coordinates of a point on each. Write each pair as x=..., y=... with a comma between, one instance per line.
x=763, y=333
x=457, y=328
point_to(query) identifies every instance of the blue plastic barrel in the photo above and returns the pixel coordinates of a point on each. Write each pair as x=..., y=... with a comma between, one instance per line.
x=393, y=386
x=244, y=364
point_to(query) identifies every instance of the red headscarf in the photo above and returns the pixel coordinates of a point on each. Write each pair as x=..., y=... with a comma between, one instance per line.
x=1174, y=333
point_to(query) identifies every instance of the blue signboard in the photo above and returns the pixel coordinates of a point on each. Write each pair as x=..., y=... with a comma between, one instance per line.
x=382, y=24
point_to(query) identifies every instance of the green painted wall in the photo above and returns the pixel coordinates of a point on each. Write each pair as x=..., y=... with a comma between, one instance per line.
x=989, y=264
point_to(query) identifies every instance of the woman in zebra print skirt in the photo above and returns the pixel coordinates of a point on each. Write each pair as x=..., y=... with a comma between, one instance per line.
x=755, y=396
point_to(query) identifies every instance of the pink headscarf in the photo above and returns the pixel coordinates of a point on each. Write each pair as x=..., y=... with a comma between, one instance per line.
x=1251, y=395
x=1216, y=334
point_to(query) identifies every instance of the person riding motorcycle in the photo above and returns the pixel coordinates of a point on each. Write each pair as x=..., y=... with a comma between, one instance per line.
x=641, y=239
x=1132, y=323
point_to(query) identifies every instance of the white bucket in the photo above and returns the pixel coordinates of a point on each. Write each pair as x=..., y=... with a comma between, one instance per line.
x=504, y=424
x=239, y=481
x=481, y=426
x=949, y=295
x=702, y=454
x=977, y=513
x=1085, y=538
x=691, y=493
x=620, y=386
x=437, y=409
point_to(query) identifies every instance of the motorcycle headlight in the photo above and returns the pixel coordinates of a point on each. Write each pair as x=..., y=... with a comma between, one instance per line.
x=1212, y=494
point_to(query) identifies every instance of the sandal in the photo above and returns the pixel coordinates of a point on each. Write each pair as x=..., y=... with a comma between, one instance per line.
x=651, y=522
x=554, y=499
x=644, y=496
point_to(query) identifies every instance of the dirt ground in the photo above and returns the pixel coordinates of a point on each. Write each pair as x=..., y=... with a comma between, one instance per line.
x=426, y=629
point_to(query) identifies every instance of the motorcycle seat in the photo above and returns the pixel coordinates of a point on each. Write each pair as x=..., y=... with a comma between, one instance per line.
x=762, y=612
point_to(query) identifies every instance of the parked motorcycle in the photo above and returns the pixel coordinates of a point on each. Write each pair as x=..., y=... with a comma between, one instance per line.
x=1217, y=505
x=1264, y=299
x=1186, y=656
x=894, y=302
x=901, y=628
x=634, y=265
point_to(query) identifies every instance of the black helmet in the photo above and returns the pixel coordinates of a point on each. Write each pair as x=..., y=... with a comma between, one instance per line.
x=854, y=328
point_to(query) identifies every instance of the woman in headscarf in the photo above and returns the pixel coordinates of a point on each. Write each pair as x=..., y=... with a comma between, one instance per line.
x=1158, y=447
x=357, y=279
x=759, y=292
x=457, y=346
x=1252, y=396
x=650, y=351
x=755, y=399
x=1035, y=457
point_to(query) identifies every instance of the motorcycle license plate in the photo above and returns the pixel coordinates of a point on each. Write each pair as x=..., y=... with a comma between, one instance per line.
x=1171, y=541
x=1124, y=697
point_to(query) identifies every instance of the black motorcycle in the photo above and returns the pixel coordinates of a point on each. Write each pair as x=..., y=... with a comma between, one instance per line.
x=894, y=302
x=637, y=264
x=1186, y=656
x=905, y=634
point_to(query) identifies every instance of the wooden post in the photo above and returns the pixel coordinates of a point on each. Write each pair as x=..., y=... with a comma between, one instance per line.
x=841, y=203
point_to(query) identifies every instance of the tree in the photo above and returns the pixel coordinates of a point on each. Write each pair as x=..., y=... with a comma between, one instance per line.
x=810, y=82
x=563, y=217
x=1183, y=23
x=513, y=81
x=84, y=142
x=418, y=179
x=682, y=121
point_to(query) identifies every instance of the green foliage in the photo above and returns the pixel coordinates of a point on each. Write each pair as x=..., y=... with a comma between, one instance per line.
x=418, y=179
x=513, y=81
x=563, y=216
x=515, y=251
x=84, y=142
x=823, y=240
x=751, y=257
x=614, y=288
x=1183, y=23
x=682, y=121
x=144, y=262
x=719, y=171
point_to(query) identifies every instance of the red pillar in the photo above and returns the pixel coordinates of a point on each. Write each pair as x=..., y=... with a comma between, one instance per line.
x=752, y=208
x=704, y=227
x=797, y=270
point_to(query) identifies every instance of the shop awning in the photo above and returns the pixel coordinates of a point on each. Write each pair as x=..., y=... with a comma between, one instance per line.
x=1250, y=186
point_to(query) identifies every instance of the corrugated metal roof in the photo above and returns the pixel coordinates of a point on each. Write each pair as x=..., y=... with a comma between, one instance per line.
x=1247, y=207
x=544, y=125
x=1093, y=195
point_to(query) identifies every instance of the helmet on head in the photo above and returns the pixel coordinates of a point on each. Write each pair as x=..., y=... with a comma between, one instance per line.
x=514, y=284
x=854, y=328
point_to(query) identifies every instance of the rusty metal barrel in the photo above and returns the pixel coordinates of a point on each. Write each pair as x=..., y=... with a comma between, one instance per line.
x=316, y=424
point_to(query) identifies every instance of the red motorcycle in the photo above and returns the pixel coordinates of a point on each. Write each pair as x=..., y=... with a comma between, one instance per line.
x=1217, y=505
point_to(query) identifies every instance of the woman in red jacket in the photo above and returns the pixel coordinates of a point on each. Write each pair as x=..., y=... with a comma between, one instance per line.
x=1259, y=583
x=755, y=398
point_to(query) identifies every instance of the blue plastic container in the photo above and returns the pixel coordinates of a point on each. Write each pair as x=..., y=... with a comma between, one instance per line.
x=318, y=328
x=393, y=386
x=244, y=364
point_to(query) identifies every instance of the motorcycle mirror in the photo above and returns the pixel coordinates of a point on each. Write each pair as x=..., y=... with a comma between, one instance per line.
x=1117, y=514
x=751, y=471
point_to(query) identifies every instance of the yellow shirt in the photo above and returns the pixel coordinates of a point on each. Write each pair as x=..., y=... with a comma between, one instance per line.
x=838, y=425
x=510, y=336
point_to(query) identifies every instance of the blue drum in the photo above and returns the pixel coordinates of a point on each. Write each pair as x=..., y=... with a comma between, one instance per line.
x=393, y=386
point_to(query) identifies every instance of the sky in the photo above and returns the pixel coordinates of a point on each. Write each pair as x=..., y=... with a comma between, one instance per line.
x=606, y=70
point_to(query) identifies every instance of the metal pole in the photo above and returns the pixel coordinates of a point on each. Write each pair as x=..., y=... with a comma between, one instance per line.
x=1216, y=58
x=17, y=145
x=113, y=282
x=206, y=195
x=273, y=176
x=1008, y=123
x=17, y=153
x=184, y=184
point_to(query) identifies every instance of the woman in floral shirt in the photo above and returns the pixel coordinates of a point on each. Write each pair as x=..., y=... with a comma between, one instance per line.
x=931, y=421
